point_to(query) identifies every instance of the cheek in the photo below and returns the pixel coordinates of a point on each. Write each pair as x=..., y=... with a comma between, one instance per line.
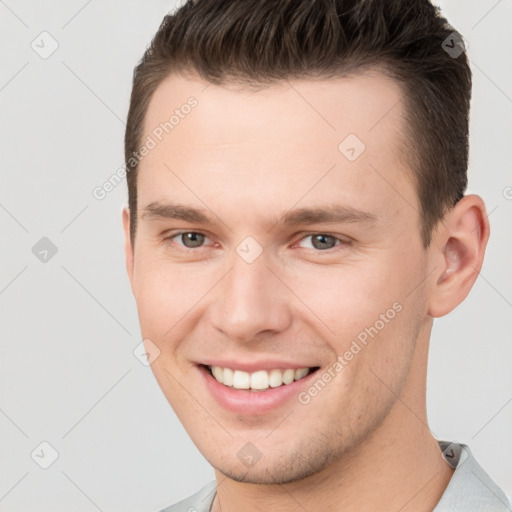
x=348, y=298
x=166, y=291
x=155, y=302
x=367, y=304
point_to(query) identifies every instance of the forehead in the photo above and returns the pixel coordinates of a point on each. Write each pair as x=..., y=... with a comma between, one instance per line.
x=277, y=141
x=360, y=103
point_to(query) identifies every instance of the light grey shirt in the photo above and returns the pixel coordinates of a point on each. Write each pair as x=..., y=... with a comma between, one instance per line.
x=470, y=488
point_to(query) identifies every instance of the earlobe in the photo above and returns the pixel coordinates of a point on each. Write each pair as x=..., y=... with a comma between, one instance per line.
x=460, y=247
x=128, y=249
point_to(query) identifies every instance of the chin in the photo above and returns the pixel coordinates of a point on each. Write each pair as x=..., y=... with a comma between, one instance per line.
x=282, y=470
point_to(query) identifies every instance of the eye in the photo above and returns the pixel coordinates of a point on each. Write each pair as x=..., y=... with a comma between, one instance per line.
x=320, y=241
x=189, y=239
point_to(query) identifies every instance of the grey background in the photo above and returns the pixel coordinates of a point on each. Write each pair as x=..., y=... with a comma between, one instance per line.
x=69, y=325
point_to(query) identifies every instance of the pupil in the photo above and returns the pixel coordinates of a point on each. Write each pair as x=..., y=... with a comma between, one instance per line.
x=323, y=241
x=192, y=239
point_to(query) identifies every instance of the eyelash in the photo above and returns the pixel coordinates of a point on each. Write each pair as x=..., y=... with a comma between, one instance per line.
x=342, y=242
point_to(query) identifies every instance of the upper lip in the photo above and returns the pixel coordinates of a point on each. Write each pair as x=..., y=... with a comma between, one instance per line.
x=252, y=366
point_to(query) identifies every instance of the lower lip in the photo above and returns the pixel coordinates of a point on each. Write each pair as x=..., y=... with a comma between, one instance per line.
x=253, y=402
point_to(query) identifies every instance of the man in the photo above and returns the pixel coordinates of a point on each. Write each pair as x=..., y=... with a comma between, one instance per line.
x=296, y=221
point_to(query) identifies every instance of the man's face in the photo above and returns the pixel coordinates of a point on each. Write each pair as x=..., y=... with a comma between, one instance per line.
x=265, y=247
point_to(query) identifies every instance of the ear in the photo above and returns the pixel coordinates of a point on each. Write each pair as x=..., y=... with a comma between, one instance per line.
x=128, y=249
x=458, y=251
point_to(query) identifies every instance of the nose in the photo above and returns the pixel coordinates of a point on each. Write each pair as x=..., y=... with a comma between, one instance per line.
x=251, y=302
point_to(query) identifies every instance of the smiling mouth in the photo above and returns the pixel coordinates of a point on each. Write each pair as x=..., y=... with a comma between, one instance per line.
x=259, y=380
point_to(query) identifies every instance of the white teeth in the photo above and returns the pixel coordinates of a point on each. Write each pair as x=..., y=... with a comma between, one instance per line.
x=227, y=376
x=301, y=372
x=241, y=380
x=218, y=373
x=288, y=376
x=258, y=380
x=275, y=378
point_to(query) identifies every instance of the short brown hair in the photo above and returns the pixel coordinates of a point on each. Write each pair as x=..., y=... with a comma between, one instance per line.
x=264, y=41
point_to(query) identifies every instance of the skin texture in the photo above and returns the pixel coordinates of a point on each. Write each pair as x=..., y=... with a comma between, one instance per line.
x=245, y=158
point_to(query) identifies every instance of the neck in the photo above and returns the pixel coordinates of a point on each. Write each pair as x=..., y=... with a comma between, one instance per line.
x=399, y=467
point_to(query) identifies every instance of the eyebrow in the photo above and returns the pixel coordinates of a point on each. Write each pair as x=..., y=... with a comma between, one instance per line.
x=158, y=210
x=313, y=215
x=334, y=214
